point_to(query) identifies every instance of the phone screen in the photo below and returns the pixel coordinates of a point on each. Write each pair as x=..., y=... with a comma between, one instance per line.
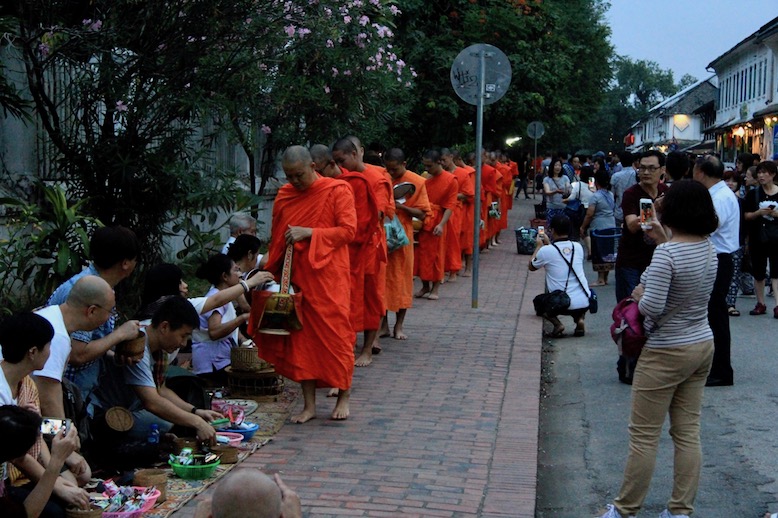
x=53, y=426
x=646, y=212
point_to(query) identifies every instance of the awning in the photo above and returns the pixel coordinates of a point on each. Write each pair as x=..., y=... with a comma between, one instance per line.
x=770, y=110
x=705, y=145
x=726, y=124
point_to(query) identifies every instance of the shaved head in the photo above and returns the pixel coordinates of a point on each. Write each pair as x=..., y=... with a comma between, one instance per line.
x=344, y=145
x=394, y=155
x=320, y=153
x=294, y=154
x=323, y=162
x=91, y=290
x=347, y=155
x=247, y=493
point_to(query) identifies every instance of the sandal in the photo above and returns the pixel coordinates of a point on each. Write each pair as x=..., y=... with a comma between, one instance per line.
x=556, y=333
x=733, y=312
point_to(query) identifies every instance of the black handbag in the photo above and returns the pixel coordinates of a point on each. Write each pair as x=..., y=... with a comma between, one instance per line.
x=552, y=303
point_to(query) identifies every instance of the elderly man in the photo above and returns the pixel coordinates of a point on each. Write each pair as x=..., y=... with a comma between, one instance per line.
x=710, y=172
x=317, y=216
x=240, y=223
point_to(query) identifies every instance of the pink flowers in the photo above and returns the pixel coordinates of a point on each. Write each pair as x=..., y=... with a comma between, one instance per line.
x=347, y=19
x=265, y=129
x=92, y=25
x=334, y=72
x=363, y=20
x=302, y=32
x=330, y=44
x=43, y=49
x=290, y=30
x=394, y=10
x=326, y=89
x=121, y=107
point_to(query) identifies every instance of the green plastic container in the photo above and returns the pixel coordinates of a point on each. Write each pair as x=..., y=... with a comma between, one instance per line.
x=194, y=472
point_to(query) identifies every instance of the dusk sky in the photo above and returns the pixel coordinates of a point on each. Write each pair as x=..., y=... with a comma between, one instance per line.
x=684, y=35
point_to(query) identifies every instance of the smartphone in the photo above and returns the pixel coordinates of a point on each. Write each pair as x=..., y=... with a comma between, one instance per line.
x=52, y=426
x=591, y=183
x=541, y=230
x=646, y=212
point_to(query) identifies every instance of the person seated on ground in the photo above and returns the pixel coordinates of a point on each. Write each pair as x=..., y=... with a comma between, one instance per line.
x=114, y=252
x=240, y=223
x=19, y=429
x=26, y=344
x=141, y=388
x=218, y=331
x=563, y=260
x=245, y=252
x=249, y=493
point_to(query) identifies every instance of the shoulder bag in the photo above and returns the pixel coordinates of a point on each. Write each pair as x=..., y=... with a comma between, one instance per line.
x=554, y=302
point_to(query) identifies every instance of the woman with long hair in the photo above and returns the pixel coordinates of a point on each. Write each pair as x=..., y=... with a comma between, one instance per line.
x=761, y=212
x=555, y=187
x=673, y=368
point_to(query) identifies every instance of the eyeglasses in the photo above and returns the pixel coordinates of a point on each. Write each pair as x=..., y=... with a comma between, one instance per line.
x=101, y=307
x=649, y=169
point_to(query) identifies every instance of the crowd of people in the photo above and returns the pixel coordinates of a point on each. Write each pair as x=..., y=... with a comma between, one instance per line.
x=710, y=235
x=331, y=217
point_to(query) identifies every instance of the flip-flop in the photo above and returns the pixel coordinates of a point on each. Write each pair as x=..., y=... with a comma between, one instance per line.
x=733, y=312
x=557, y=333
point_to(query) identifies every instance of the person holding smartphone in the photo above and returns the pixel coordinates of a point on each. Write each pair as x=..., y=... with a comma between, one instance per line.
x=761, y=212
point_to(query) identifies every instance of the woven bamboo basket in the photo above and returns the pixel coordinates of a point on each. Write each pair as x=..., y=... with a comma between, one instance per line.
x=229, y=454
x=152, y=477
x=93, y=512
x=119, y=419
x=245, y=359
x=249, y=384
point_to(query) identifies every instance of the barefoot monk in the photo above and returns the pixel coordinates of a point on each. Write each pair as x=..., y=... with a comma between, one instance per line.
x=317, y=216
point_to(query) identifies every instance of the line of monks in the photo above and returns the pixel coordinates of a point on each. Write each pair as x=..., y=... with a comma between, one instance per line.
x=333, y=212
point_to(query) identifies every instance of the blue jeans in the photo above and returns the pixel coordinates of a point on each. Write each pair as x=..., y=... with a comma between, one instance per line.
x=143, y=421
x=626, y=280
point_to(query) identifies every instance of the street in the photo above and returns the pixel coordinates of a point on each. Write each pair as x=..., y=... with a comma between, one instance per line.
x=583, y=440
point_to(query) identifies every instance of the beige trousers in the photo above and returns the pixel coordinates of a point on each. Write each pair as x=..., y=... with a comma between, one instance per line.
x=667, y=381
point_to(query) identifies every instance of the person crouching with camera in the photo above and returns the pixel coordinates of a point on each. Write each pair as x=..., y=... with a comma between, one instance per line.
x=565, y=277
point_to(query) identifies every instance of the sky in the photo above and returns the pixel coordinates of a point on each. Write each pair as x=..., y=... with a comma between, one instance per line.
x=684, y=35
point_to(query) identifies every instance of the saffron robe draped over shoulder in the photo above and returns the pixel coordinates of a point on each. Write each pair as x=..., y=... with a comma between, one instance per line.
x=489, y=194
x=323, y=349
x=399, y=268
x=431, y=253
x=468, y=210
x=364, y=247
x=453, y=228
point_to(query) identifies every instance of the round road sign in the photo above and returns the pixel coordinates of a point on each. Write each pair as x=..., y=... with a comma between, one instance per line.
x=466, y=68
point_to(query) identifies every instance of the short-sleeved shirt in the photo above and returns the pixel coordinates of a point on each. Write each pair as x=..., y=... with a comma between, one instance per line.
x=60, y=296
x=558, y=272
x=580, y=191
x=751, y=204
x=210, y=355
x=620, y=182
x=603, y=204
x=116, y=384
x=635, y=250
x=726, y=237
x=554, y=201
x=60, y=344
x=6, y=396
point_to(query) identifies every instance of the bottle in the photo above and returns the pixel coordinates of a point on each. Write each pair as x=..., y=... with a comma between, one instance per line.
x=153, y=434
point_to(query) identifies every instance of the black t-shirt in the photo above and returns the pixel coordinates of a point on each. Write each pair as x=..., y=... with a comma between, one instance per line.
x=635, y=250
x=751, y=204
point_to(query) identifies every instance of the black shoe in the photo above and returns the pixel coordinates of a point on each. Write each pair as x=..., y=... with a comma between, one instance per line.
x=626, y=381
x=719, y=382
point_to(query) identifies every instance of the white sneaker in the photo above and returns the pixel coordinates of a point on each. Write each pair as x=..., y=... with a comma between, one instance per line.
x=668, y=514
x=612, y=512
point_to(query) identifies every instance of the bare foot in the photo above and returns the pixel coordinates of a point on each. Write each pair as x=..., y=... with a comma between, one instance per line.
x=341, y=411
x=384, y=331
x=332, y=393
x=384, y=334
x=399, y=335
x=303, y=417
x=365, y=359
x=467, y=273
x=421, y=293
x=452, y=277
x=433, y=296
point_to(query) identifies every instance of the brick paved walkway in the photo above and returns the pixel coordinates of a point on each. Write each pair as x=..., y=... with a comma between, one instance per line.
x=444, y=424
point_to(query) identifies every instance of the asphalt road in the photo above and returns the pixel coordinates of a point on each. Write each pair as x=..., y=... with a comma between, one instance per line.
x=584, y=412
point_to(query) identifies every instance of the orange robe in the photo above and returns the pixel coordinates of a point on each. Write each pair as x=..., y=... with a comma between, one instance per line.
x=468, y=209
x=399, y=267
x=324, y=349
x=442, y=193
x=514, y=174
x=453, y=229
x=505, y=196
x=375, y=271
x=488, y=192
x=363, y=248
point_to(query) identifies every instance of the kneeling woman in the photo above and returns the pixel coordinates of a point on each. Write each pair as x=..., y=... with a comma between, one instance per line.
x=218, y=333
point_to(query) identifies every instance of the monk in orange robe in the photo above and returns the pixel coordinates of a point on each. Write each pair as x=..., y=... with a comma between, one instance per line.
x=454, y=226
x=504, y=195
x=399, y=267
x=317, y=216
x=442, y=193
x=348, y=156
x=366, y=237
x=489, y=192
x=468, y=213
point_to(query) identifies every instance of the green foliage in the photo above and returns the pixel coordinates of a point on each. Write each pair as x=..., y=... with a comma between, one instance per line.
x=46, y=245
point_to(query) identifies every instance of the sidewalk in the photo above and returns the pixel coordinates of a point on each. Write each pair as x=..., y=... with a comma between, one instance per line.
x=443, y=424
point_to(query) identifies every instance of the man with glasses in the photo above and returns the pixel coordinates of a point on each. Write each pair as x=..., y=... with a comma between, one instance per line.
x=635, y=248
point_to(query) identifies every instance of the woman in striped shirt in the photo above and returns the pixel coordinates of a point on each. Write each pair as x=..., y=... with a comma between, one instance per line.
x=672, y=370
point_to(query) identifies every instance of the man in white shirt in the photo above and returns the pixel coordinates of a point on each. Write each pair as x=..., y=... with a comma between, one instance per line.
x=623, y=180
x=87, y=307
x=709, y=171
x=240, y=223
x=563, y=261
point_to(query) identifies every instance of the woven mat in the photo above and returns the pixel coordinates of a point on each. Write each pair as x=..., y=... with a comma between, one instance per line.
x=269, y=413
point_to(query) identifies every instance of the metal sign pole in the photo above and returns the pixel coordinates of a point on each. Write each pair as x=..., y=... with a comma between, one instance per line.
x=479, y=127
x=534, y=171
